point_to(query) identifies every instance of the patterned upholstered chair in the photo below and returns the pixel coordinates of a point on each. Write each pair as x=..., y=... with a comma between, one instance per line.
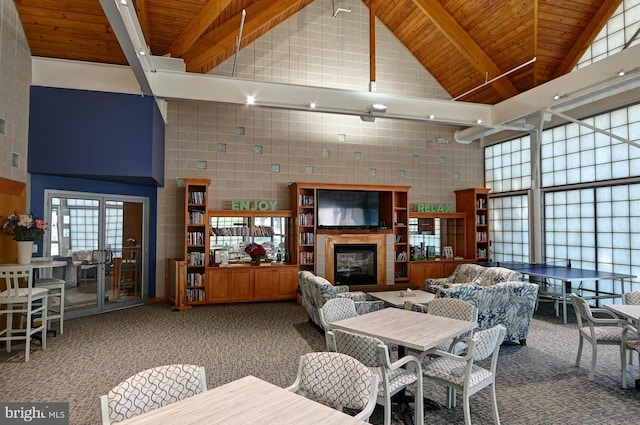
x=316, y=290
x=460, y=372
x=631, y=297
x=510, y=304
x=151, y=389
x=337, y=380
x=629, y=342
x=597, y=331
x=394, y=377
x=336, y=309
x=473, y=274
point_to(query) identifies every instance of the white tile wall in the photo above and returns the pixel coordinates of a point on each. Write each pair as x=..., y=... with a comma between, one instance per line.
x=312, y=48
x=15, y=76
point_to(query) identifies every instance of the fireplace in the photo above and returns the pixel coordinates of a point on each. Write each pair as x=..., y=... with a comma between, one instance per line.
x=355, y=264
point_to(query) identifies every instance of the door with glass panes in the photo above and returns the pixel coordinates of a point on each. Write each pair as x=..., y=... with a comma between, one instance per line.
x=102, y=240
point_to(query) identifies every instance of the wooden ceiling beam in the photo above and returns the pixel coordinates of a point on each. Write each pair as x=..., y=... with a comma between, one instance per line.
x=465, y=45
x=585, y=40
x=143, y=17
x=209, y=13
x=215, y=42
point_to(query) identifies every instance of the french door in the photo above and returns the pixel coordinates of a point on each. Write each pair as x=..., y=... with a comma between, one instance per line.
x=103, y=240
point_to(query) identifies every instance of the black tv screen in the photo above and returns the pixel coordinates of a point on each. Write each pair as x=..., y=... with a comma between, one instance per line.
x=347, y=208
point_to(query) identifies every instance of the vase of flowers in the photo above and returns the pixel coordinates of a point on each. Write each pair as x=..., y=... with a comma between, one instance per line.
x=256, y=252
x=24, y=228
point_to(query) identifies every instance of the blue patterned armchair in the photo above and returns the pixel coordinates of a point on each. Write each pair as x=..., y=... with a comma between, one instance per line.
x=317, y=290
x=510, y=304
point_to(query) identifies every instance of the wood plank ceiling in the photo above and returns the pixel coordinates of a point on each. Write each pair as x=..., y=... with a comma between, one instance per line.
x=464, y=44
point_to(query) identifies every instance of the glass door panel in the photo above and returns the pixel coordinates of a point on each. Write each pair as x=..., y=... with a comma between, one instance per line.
x=101, y=237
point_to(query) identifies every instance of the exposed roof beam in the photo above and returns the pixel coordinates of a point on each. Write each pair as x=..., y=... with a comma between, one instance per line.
x=465, y=44
x=125, y=24
x=197, y=26
x=586, y=38
x=143, y=18
x=221, y=38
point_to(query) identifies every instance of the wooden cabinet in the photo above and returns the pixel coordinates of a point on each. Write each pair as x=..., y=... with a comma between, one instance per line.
x=393, y=217
x=250, y=283
x=475, y=203
x=421, y=270
x=275, y=283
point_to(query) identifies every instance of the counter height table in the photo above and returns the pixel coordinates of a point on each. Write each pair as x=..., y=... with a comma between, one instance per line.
x=248, y=400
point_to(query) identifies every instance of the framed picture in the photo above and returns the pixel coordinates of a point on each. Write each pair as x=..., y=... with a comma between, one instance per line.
x=431, y=251
x=448, y=252
x=220, y=256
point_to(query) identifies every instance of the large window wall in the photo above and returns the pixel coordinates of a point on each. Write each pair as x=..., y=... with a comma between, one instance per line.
x=508, y=174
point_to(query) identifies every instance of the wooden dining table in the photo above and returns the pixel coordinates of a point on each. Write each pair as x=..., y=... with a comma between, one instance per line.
x=406, y=329
x=628, y=311
x=248, y=400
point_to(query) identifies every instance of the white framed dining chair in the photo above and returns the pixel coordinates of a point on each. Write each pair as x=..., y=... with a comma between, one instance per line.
x=336, y=309
x=596, y=330
x=394, y=377
x=337, y=380
x=19, y=296
x=151, y=389
x=461, y=374
x=56, y=287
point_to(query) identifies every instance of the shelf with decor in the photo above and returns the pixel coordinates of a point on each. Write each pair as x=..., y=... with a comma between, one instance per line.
x=429, y=234
x=475, y=203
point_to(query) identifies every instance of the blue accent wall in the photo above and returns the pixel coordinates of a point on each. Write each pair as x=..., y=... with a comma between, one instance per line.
x=98, y=135
x=97, y=142
x=40, y=182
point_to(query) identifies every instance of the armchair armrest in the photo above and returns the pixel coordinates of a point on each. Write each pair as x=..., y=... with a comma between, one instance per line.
x=364, y=307
x=613, y=320
x=355, y=295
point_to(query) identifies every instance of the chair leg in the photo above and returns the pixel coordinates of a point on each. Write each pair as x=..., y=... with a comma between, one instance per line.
x=579, y=352
x=594, y=356
x=9, y=327
x=494, y=402
x=27, y=342
x=387, y=409
x=467, y=410
x=623, y=355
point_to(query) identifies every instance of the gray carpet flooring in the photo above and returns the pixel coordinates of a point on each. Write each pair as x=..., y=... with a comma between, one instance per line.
x=536, y=384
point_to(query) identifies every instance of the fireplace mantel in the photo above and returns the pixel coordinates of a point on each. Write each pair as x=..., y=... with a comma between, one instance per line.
x=326, y=244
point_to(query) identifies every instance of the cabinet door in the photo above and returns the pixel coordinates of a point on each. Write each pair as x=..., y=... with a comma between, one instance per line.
x=242, y=284
x=264, y=279
x=287, y=283
x=435, y=270
x=418, y=273
x=218, y=285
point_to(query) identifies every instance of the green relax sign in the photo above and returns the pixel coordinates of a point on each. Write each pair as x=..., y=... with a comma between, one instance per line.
x=435, y=208
x=254, y=205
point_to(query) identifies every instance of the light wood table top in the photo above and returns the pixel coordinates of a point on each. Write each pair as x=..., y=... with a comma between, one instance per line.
x=406, y=328
x=629, y=311
x=248, y=400
x=396, y=299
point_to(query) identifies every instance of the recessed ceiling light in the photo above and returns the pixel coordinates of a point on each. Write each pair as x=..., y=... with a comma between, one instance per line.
x=251, y=100
x=479, y=121
x=432, y=116
x=556, y=96
x=621, y=73
x=124, y=2
x=312, y=105
x=142, y=52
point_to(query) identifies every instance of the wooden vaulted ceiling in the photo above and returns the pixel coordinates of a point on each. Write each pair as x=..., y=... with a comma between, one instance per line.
x=465, y=44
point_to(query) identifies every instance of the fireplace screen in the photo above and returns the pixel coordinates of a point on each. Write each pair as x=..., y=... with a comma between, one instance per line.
x=355, y=264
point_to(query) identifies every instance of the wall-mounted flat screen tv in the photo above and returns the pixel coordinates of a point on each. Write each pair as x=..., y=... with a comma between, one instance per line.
x=347, y=208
